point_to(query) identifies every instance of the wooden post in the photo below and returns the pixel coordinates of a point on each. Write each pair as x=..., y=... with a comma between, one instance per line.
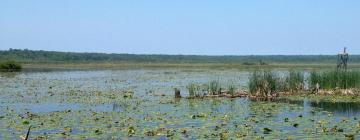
x=342, y=61
x=177, y=93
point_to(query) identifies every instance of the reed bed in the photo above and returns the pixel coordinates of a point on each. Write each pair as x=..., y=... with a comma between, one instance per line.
x=270, y=84
x=335, y=79
x=295, y=81
x=263, y=83
x=231, y=89
x=214, y=87
x=193, y=89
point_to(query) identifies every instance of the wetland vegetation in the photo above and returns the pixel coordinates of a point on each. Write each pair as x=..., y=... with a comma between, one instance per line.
x=10, y=66
x=139, y=103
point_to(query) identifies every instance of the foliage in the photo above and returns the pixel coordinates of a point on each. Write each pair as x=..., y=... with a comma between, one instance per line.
x=335, y=79
x=10, y=66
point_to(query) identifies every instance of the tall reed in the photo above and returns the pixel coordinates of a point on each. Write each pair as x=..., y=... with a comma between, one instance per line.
x=231, y=89
x=335, y=79
x=295, y=81
x=263, y=83
x=193, y=89
x=214, y=87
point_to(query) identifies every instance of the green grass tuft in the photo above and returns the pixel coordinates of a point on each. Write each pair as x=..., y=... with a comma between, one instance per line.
x=193, y=89
x=295, y=81
x=214, y=87
x=231, y=89
x=264, y=83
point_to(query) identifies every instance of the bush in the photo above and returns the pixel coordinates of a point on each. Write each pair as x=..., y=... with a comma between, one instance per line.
x=10, y=66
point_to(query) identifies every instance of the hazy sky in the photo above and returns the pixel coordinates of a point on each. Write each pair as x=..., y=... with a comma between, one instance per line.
x=211, y=27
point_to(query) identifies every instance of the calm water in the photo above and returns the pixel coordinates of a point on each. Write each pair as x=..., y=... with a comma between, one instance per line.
x=91, y=104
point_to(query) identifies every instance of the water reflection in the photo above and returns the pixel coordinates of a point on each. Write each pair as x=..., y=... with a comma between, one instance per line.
x=347, y=109
x=9, y=74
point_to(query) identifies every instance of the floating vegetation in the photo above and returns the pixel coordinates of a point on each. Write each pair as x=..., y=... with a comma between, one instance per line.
x=267, y=130
x=119, y=104
x=128, y=94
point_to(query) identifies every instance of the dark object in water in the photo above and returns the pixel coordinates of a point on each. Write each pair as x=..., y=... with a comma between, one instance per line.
x=177, y=93
x=28, y=133
x=267, y=130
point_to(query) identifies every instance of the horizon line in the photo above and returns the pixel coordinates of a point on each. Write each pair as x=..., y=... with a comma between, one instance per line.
x=85, y=52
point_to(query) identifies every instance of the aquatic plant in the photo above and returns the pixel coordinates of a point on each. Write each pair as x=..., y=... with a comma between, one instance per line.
x=295, y=81
x=335, y=79
x=264, y=83
x=231, y=89
x=214, y=87
x=193, y=89
x=10, y=66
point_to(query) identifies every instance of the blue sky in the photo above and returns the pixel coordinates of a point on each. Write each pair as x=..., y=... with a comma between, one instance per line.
x=205, y=27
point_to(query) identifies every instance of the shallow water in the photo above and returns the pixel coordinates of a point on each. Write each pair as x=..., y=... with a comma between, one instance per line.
x=139, y=103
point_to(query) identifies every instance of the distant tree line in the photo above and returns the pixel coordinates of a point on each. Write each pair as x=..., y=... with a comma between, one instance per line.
x=33, y=56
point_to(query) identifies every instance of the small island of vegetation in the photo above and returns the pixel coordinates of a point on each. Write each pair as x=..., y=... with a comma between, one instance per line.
x=10, y=66
x=269, y=85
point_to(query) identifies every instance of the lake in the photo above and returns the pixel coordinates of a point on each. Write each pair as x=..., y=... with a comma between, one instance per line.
x=140, y=104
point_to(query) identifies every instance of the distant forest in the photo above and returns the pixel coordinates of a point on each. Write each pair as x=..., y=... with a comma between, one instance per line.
x=35, y=56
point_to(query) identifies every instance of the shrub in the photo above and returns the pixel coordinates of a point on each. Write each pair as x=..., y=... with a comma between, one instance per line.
x=10, y=66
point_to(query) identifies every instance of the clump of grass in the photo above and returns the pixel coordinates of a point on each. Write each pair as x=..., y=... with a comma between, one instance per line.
x=295, y=81
x=214, y=87
x=193, y=89
x=10, y=66
x=263, y=83
x=231, y=89
x=335, y=79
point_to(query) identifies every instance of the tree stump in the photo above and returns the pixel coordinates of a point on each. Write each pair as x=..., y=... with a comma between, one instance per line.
x=177, y=93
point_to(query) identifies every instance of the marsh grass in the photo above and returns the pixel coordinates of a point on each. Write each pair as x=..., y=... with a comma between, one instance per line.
x=295, y=81
x=214, y=87
x=263, y=83
x=193, y=89
x=335, y=79
x=231, y=89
